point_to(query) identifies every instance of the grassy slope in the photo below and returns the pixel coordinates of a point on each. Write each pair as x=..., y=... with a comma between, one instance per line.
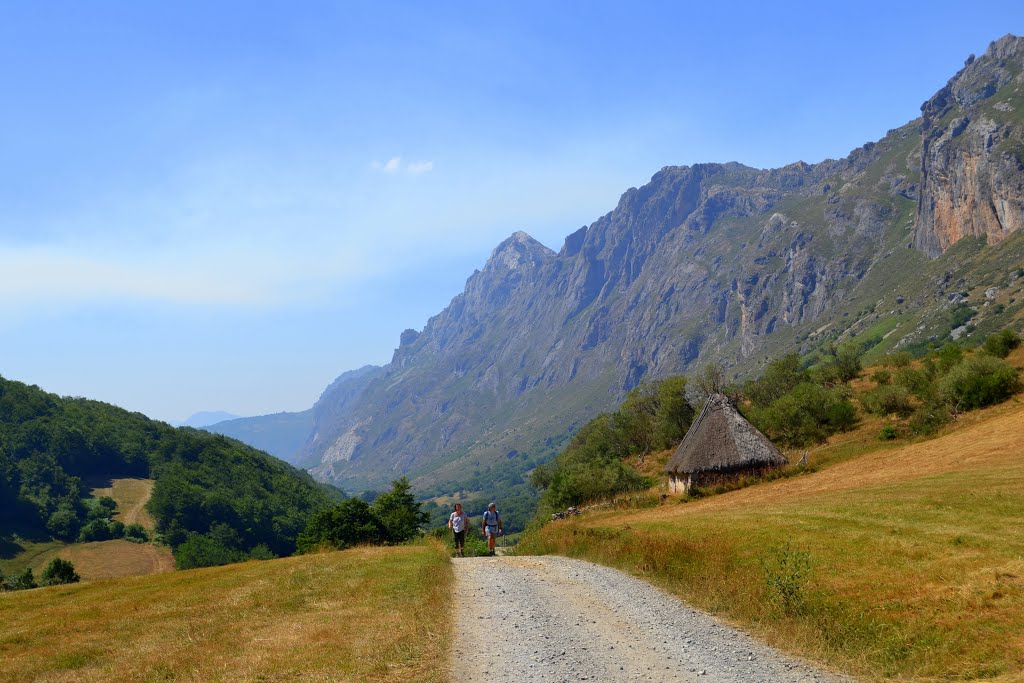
x=368, y=614
x=916, y=552
x=104, y=559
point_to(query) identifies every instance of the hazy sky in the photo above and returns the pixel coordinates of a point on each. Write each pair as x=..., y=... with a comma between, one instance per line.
x=219, y=205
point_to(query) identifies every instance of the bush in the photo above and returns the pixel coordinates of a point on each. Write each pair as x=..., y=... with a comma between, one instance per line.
x=929, y=418
x=136, y=533
x=1001, y=343
x=200, y=550
x=979, y=381
x=23, y=581
x=889, y=432
x=917, y=382
x=949, y=356
x=808, y=414
x=59, y=572
x=888, y=400
x=902, y=359
x=881, y=377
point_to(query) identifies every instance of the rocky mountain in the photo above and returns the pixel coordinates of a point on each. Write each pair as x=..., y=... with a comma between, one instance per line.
x=897, y=244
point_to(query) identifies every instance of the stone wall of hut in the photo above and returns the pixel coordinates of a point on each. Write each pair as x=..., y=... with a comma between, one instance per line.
x=684, y=483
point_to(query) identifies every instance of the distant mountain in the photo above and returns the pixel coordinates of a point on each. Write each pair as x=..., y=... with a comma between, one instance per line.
x=281, y=434
x=894, y=246
x=205, y=418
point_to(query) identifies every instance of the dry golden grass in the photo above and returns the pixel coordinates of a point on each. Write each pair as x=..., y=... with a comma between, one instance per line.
x=917, y=552
x=368, y=614
x=111, y=559
x=131, y=496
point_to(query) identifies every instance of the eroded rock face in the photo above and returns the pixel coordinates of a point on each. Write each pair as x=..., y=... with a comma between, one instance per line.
x=972, y=164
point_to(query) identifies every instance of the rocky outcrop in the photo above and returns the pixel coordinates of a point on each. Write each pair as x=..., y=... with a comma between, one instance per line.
x=972, y=163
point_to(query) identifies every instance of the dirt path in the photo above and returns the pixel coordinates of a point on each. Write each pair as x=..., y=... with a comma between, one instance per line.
x=556, y=619
x=131, y=496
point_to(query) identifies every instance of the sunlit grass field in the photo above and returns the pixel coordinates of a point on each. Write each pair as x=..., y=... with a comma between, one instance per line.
x=916, y=553
x=367, y=614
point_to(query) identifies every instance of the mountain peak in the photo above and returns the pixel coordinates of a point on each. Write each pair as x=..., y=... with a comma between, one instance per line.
x=518, y=251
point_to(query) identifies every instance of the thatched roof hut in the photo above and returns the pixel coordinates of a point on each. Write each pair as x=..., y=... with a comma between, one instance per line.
x=719, y=445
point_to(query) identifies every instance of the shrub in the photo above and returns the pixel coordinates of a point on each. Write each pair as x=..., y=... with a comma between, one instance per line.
x=261, y=552
x=979, y=381
x=59, y=572
x=929, y=418
x=1001, y=343
x=200, y=550
x=889, y=432
x=915, y=381
x=808, y=414
x=881, y=377
x=136, y=533
x=23, y=581
x=778, y=379
x=949, y=356
x=888, y=400
x=901, y=359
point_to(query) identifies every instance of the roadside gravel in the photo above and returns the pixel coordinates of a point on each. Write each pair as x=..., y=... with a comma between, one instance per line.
x=555, y=619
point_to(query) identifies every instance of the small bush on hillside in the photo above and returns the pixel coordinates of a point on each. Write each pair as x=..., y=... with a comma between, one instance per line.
x=916, y=381
x=929, y=418
x=807, y=414
x=23, y=581
x=261, y=552
x=100, y=529
x=979, y=381
x=881, y=377
x=948, y=357
x=202, y=551
x=777, y=380
x=59, y=572
x=1001, y=343
x=64, y=523
x=888, y=400
x=889, y=432
x=901, y=359
x=136, y=533
x=843, y=365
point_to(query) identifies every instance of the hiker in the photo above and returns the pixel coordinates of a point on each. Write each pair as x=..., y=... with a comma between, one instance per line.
x=458, y=522
x=492, y=527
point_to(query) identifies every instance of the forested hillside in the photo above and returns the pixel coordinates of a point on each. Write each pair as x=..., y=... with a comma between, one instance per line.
x=229, y=494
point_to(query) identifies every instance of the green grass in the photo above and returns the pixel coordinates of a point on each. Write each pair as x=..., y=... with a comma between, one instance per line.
x=367, y=614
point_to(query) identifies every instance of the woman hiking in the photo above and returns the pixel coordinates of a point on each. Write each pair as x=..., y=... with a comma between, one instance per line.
x=458, y=522
x=492, y=527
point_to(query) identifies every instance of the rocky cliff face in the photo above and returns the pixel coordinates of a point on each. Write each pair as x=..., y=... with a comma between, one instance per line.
x=972, y=163
x=711, y=262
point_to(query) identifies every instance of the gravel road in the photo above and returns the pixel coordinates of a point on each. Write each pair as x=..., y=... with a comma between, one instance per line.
x=556, y=619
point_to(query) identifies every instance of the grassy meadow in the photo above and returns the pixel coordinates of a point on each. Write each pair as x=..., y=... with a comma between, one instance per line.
x=897, y=562
x=102, y=559
x=366, y=614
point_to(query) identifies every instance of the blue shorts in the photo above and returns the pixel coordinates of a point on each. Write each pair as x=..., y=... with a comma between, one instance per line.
x=492, y=531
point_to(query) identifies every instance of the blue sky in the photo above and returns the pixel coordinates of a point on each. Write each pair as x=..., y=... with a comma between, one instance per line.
x=224, y=205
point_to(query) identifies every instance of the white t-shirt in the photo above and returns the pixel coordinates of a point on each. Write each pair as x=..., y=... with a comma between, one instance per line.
x=458, y=521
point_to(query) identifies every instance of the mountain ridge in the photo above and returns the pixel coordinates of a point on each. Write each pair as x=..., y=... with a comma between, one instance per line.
x=706, y=262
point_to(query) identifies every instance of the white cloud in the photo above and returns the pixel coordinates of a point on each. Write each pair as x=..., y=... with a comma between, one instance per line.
x=419, y=167
x=392, y=165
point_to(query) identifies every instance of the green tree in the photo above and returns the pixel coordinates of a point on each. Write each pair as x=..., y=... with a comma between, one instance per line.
x=1001, y=343
x=398, y=510
x=778, y=379
x=979, y=381
x=350, y=523
x=24, y=580
x=60, y=572
x=674, y=413
x=200, y=550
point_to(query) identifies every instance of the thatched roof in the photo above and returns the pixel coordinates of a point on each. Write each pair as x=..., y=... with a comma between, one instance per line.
x=721, y=440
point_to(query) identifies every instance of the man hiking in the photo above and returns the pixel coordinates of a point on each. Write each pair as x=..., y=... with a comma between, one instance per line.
x=458, y=522
x=492, y=527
